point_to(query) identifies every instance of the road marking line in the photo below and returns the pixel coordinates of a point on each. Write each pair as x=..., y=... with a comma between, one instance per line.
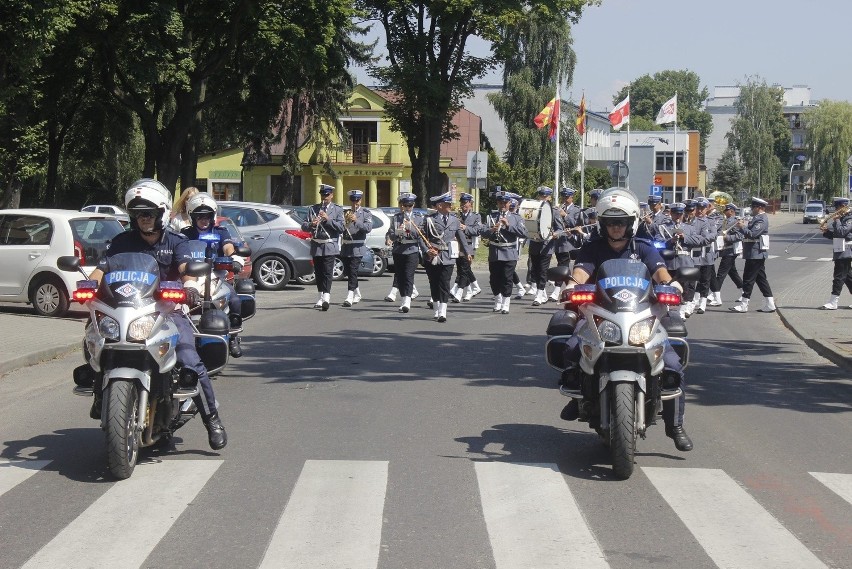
x=840, y=484
x=772, y=257
x=122, y=527
x=731, y=526
x=533, y=519
x=825, y=259
x=334, y=517
x=796, y=258
x=13, y=472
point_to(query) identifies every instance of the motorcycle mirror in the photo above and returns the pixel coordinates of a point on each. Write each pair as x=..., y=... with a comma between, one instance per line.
x=68, y=263
x=559, y=275
x=197, y=268
x=688, y=274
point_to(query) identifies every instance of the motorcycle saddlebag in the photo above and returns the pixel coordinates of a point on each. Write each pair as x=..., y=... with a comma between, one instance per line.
x=214, y=322
x=556, y=352
x=244, y=286
x=245, y=290
x=674, y=325
x=562, y=323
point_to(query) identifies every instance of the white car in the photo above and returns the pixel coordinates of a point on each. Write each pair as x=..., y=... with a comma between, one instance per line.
x=30, y=242
x=113, y=210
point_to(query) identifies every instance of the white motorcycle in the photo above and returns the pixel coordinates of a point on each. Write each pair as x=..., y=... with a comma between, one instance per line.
x=622, y=323
x=130, y=350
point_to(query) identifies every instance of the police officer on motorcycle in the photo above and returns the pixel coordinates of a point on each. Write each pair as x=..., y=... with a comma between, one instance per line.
x=148, y=203
x=202, y=210
x=618, y=219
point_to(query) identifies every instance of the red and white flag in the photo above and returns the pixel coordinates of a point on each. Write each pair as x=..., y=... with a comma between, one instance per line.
x=620, y=115
x=668, y=112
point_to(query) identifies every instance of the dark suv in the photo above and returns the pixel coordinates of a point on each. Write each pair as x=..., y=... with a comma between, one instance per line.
x=280, y=250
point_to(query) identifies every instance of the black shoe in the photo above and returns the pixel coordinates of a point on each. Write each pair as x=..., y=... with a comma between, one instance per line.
x=570, y=378
x=95, y=411
x=682, y=441
x=324, y=305
x=234, y=347
x=442, y=318
x=571, y=411
x=216, y=435
x=430, y=304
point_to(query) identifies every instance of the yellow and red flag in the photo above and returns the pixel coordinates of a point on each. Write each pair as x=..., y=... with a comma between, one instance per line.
x=549, y=115
x=581, y=116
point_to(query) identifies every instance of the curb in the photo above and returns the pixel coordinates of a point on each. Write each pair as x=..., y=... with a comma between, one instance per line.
x=37, y=357
x=822, y=348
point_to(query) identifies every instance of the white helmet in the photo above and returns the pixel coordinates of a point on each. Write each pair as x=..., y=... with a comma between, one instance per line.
x=146, y=194
x=201, y=203
x=619, y=203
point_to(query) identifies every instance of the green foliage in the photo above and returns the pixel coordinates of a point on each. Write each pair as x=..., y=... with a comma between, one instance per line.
x=729, y=173
x=761, y=137
x=648, y=93
x=829, y=128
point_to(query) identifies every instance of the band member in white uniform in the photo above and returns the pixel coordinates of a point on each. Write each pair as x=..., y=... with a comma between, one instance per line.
x=325, y=223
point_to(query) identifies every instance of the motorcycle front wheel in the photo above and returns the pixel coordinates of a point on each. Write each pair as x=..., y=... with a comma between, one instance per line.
x=622, y=428
x=122, y=399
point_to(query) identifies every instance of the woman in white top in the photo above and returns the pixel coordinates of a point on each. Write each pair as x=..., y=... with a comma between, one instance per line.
x=180, y=218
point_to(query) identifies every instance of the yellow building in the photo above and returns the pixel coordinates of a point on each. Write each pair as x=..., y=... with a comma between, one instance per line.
x=375, y=161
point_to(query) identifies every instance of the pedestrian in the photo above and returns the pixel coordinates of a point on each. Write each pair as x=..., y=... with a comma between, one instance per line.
x=566, y=217
x=504, y=229
x=179, y=218
x=729, y=247
x=444, y=243
x=357, y=223
x=838, y=228
x=755, y=238
x=466, y=286
x=540, y=251
x=404, y=236
x=325, y=224
x=681, y=238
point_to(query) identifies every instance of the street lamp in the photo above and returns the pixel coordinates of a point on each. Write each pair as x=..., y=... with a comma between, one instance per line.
x=790, y=199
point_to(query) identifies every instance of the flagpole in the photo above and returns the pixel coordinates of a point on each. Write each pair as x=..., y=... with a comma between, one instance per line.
x=628, y=144
x=558, y=106
x=674, y=158
x=583, y=157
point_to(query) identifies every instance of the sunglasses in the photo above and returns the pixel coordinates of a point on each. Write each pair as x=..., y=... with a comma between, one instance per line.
x=145, y=214
x=616, y=223
x=203, y=215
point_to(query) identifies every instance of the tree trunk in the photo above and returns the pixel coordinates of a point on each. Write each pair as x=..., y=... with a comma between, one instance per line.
x=11, y=198
x=54, y=149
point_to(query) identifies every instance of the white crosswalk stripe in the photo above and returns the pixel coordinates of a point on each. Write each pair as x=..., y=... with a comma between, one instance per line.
x=122, y=527
x=731, y=526
x=533, y=519
x=333, y=518
x=840, y=484
x=13, y=472
x=796, y=258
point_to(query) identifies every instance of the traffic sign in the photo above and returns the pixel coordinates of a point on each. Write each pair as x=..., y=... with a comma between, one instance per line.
x=658, y=180
x=656, y=190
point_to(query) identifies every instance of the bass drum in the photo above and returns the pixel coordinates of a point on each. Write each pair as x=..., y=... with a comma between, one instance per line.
x=538, y=218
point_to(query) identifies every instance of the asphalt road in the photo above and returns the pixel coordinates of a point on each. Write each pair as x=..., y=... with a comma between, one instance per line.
x=366, y=438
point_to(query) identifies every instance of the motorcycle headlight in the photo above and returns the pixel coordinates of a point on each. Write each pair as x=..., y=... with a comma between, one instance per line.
x=609, y=331
x=140, y=329
x=108, y=327
x=640, y=332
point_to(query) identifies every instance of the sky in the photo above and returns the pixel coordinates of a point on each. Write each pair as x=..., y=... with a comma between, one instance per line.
x=786, y=42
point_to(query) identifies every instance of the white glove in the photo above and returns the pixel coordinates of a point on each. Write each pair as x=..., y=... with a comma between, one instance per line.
x=239, y=263
x=677, y=286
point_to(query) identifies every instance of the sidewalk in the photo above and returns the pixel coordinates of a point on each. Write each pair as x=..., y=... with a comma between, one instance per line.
x=31, y=339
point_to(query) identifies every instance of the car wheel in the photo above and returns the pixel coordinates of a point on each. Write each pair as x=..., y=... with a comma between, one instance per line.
x=337, y=271
x=271, y=273
x=307, y=279
x=380, y=265
x=49, y=298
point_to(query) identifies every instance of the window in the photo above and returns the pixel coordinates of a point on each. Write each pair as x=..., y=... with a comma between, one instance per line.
x=241, y=216
x=664, y=161
x=25, y=230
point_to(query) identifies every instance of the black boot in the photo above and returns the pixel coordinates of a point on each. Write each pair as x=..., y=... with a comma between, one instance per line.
x=216, y=435
x=234, y=346
x=571, y=411
x=682, y=441
x=95, y=411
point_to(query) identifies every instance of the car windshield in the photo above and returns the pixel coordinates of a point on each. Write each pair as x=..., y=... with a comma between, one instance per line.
x=813, y=209
x=232, y=230
x=93, y=236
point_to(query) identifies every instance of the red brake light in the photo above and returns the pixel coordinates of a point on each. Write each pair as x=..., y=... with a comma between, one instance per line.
x=581, y=297
x=668, y=298
x=298, y=233
x=172, y=295
x=78, y=252
x=83, y=295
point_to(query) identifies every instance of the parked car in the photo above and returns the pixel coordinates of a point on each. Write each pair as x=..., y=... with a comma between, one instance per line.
x=365, y=269
x=113, y=210
x=31, y=240
x=231, y=227
x=280, y=249
x=375, y=240
x=814, y=212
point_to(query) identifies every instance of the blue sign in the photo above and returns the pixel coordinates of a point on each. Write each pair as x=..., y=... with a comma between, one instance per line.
x=656, y=190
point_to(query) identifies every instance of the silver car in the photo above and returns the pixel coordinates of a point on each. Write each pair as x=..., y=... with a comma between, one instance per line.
x=31, y=241
x=112, y=210
x=280, y=250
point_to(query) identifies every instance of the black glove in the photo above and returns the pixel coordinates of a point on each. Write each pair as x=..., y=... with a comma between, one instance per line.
x=193, y=299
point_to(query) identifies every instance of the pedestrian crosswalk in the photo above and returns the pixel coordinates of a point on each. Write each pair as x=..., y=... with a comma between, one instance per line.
x=335, y=516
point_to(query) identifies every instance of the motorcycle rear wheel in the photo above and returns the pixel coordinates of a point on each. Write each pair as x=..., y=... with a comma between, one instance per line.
x=622, y=428
x=122, y=439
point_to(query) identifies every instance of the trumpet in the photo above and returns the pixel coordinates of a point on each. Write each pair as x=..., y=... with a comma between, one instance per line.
x=350, y=216
x=838, y=213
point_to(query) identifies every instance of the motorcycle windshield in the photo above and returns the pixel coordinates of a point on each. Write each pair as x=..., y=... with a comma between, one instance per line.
x=624, y=285
x=131, y=280
x=195, y=250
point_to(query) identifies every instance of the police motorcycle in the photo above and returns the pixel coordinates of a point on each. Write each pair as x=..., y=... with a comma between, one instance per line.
x=130, y=348
x=622, y=323
x=209, y=292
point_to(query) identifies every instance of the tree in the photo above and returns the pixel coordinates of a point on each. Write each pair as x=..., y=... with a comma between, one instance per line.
x=429, y=70
x=539, y=56
x=728, y=175
x=829, y=128
x=761, y=136
x=648, y=93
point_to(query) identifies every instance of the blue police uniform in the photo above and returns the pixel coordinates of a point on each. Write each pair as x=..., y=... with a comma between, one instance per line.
x=164, y=252
x=191, y=233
